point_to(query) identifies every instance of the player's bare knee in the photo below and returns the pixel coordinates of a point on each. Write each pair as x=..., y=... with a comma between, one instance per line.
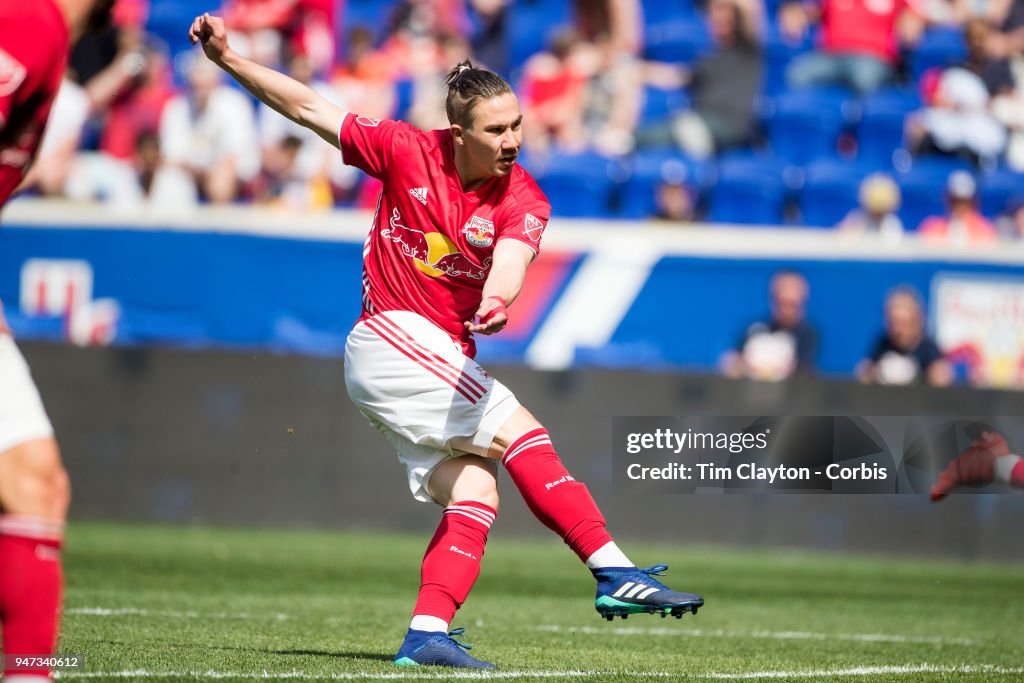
x=33, y=481
x=519, y=423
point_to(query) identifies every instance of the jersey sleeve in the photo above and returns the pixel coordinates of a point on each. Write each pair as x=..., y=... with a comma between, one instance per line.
x=525, y=221
x=370, y=144
x=18, y=63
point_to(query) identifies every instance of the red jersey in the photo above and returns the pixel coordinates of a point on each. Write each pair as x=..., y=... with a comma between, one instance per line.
x=864, y=26
x=430, y=248
x=34, y=42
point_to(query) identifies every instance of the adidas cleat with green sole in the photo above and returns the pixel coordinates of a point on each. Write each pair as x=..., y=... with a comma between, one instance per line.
x=622, y=591
x=437, y=648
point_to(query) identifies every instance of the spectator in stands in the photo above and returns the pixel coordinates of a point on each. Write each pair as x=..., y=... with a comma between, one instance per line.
x=365, y=81
x=138, y=90
x=879, y=199
x=619, y=22
x=268, y=30
x=427, y=109
x=581, y=94
x=488, y=40
x=1008, y=40
x=1011, y=223
x=722, y=86
x=57, y=151
x=552, y=91
x=963, y=224
x=784, y=345
x=313, y=165
x=675, y=202
x=995, y=73
x=957, y=119
x=1008, y=109
x=860, y=41
x=210, y=133
x=905, y=354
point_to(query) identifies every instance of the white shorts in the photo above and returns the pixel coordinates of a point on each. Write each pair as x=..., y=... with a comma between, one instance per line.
x=22, y=416
x=415, y=385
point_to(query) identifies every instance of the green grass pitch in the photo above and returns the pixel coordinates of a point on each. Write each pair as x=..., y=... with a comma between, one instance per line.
x=165, y=603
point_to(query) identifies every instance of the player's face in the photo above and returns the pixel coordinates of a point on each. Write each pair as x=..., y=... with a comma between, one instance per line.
x=492, y=143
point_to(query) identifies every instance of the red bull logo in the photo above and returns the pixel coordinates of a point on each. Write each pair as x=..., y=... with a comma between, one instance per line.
x=434, y=254
x=479, y=232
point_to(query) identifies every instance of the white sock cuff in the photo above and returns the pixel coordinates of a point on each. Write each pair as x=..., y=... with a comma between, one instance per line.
x=28, y=526
x=425, y=622
x=1004, y=467
x=608, y=555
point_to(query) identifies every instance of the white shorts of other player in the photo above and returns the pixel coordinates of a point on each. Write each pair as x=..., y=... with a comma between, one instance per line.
x=22, y=416
x=417, y=388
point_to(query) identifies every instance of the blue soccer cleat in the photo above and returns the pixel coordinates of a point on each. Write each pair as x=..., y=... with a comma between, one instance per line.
x=622, y=591
x=436, y=648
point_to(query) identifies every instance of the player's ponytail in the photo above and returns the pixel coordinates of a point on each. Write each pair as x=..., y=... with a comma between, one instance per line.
x=467, y=87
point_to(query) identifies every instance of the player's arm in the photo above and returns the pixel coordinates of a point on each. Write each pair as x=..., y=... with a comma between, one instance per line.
x=511, y=258
x=281, y=93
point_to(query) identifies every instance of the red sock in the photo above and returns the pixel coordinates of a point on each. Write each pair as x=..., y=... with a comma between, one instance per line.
x=561, y=503
x=31, y=582
x=452, y=561
x=1017, y=474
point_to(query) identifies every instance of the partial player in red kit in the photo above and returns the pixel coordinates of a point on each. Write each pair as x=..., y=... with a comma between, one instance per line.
x=987, y=460
x=457, y=225
x=35, y=36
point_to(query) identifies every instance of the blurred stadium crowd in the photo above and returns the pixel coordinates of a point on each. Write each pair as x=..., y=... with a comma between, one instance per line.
x=848, y=113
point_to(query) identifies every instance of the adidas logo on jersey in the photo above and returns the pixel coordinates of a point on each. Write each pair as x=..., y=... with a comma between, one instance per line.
x=419, y=193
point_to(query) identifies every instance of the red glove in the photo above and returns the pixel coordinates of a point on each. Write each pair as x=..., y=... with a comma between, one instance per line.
x=976, y=465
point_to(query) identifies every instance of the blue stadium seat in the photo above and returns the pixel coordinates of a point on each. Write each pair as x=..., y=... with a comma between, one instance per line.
x=404, y=93
x=805, y=125
x=681, y=36
x=923, y=188
x=577, y=185
x=370, y=14
x=650, y=169
x=659, y=104
x=169, y=20
x=880, y=132
x=531, y=25
x=996, y=188
x=940, y=46
x=830, y=191
x=749, y=189
x=777, y=56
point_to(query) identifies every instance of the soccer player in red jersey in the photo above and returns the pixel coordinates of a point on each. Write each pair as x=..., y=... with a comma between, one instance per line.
x=457, y=224
x=35, y=36
x=987, y=460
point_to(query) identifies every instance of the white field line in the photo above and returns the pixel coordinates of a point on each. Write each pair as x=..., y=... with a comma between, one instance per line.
x=587, y=630
x=773, y=635
x=873, y=671
x=480, y=675
x=173, y=614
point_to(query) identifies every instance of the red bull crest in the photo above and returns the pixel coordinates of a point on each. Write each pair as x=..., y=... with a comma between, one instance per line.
x=434, y=254
x=479, y=232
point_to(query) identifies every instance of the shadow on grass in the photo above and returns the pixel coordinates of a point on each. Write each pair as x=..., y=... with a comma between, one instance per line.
x=340, y=655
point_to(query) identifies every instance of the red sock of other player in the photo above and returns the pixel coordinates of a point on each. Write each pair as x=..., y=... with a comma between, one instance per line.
x=31, y=582
x=1017, y=474
x=451, y=563
x=561, y=503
